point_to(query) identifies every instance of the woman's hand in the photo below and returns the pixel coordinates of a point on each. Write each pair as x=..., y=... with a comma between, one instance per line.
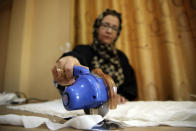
x=114, y=98
x=63, y=70
x=121, y=99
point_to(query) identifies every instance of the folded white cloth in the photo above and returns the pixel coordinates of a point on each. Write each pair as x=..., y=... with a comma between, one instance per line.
x=80, y=122
x=139, y=113
x=6, y=98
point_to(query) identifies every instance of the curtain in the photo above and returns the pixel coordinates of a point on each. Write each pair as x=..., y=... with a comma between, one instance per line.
x=158, y=37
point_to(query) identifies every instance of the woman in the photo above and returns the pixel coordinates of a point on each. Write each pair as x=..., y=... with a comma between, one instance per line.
x=101, y=54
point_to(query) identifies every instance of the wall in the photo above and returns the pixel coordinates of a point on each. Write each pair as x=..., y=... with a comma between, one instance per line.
x=38, y=32
x=5, y=11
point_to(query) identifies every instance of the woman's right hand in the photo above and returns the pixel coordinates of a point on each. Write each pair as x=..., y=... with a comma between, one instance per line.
x=63, y=70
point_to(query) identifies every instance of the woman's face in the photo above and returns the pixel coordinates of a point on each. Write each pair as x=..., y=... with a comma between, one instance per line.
x=108, y=30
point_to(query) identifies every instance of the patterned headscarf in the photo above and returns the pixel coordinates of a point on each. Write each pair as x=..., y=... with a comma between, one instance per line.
x=107, y=58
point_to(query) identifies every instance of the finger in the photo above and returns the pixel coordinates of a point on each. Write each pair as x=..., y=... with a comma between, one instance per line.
x=113, y=103
x=118, y=99
x=64, y=82
x=60, y=76
x=60, y=80
x=54, y=73
x=68, y=71
x=84, y=66
x=64, y=70
x=122, y=100
x=59, y=69
x=70, y=82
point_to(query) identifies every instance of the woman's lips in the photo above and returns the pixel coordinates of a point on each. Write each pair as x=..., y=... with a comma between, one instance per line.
x=108, y=37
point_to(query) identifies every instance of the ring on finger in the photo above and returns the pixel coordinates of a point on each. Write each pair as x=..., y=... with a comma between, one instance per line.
x=59, y=71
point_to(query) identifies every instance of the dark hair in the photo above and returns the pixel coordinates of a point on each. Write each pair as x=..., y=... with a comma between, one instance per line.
x=99, y=19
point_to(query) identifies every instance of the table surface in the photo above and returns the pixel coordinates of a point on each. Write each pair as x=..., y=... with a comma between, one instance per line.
x=4, y=111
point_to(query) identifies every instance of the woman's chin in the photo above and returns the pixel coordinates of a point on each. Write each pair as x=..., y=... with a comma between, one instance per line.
x=107, y=42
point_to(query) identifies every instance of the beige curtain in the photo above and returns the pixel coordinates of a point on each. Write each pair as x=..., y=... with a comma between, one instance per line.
x=159, y=38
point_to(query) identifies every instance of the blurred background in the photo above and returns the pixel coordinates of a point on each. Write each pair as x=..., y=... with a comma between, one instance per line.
x=158, y=36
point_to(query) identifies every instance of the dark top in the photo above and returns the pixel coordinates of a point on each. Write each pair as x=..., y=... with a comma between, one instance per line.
x=84, y=53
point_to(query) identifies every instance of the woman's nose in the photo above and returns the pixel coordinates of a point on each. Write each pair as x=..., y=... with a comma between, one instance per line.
x=109, y=30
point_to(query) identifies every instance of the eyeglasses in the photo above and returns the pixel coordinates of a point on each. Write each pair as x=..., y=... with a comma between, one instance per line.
x=107, y=26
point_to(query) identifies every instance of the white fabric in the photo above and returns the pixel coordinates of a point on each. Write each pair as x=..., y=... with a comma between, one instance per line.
x=172, y=113
x=6, y=98
x=79, y=122
x=139, y=114
x=54, y=108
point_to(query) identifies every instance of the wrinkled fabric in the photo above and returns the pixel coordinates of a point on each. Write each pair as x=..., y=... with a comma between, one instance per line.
x=138, y=113
x=155, y=113
x=79, y=122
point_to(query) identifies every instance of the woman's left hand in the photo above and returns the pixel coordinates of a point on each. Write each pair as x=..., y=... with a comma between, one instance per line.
x=114, y=98
x=121, y=99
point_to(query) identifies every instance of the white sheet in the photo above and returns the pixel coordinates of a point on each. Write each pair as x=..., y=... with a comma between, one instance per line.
x=85, y=122
x=140, y=113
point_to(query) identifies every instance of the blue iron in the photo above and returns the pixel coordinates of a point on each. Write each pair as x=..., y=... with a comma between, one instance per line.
x=88, y=92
